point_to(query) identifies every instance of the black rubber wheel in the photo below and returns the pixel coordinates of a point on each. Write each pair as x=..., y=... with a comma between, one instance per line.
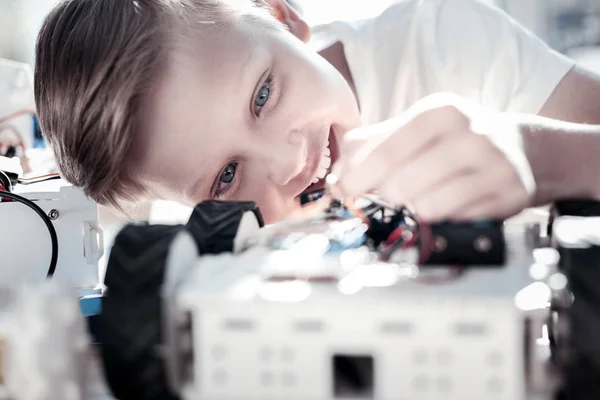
x=581, y=365
x=129, y=329
x=130, y=325
x=214, y=224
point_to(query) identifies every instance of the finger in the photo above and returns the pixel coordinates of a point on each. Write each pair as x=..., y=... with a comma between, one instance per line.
x=452, y=197
x=441, y=202
x=431, y=113
x=369, y=165
x=489, y=207
x=453, y=155
x=510, y=200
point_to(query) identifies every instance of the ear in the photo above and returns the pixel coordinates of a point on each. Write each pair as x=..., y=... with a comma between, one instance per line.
x=287, y=15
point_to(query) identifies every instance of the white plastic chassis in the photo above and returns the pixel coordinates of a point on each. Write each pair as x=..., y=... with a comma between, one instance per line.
x=25, y=246
x=250, y=336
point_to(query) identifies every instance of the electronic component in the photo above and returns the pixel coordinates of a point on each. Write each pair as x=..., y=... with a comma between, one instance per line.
x=5, y=195
x=333, y=307
x=575, y=322
x=50, y=230
x=302, y=312
x=347, y=334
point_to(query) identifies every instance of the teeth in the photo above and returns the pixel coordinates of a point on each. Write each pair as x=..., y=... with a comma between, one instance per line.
x=324, y=166
x=322, y=172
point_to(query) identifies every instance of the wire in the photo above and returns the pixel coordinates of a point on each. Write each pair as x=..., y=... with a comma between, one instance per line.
x=38, y=179
x=350, y=204
x=47, y=222
x=16, y=132
x=372, y=209
x=16, y=114
x=400, y=238
x=397, y=234
x=5, y=183
x=9, y=117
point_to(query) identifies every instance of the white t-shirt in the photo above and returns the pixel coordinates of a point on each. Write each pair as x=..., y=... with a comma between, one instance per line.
x=419, y=47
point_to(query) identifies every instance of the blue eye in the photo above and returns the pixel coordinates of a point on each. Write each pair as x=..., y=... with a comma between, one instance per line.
x=262, y=97
x=226, y=178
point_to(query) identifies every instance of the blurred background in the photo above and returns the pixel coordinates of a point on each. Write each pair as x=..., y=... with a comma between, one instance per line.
x=571, y=26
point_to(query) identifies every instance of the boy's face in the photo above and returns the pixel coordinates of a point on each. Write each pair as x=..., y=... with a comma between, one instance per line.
x=243, y=117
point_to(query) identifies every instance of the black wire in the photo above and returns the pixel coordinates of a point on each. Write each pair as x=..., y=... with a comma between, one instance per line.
x=6, y=181
x=42, y=214
x=372, y=209
x=27, y=182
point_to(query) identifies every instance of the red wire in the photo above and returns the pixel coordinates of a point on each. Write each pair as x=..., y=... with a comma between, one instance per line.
x=16, y=114
x=426, y=239
x=396, y=235
x=16, y=132
x=2, y=199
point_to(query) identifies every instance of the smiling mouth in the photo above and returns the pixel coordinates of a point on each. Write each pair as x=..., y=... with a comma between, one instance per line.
x=324, y=166
x=330, y=156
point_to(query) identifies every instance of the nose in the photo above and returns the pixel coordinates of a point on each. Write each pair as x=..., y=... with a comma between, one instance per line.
x=286, y=158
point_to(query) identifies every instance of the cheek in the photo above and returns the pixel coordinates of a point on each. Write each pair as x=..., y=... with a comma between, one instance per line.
x=273, y=206
x=278, y=212
x=329, y=89
x=316, y=93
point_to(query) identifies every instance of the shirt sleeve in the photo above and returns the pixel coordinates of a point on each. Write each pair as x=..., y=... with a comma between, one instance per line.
x=486, y=56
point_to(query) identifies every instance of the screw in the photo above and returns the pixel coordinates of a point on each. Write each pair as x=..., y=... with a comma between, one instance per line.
x=439, y=244
x=53, y=214
x=483, y=244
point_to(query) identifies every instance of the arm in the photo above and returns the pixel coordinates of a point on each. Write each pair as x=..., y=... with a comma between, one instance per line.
x=450, y=159
x=575, y=99
x=564, y=159
x=486, y=57
x=518, y=73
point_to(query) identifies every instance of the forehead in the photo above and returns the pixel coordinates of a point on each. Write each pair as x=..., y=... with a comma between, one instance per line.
x=201, y=95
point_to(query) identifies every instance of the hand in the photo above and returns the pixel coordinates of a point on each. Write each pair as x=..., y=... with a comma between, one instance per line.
x=445, y=158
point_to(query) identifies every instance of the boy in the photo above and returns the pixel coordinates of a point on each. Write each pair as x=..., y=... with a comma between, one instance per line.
x=194, y=99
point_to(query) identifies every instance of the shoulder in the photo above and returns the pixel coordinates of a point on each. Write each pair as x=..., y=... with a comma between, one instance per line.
x=401, y=11
x=436, y=20
x=407, y=10
x=396, y=17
